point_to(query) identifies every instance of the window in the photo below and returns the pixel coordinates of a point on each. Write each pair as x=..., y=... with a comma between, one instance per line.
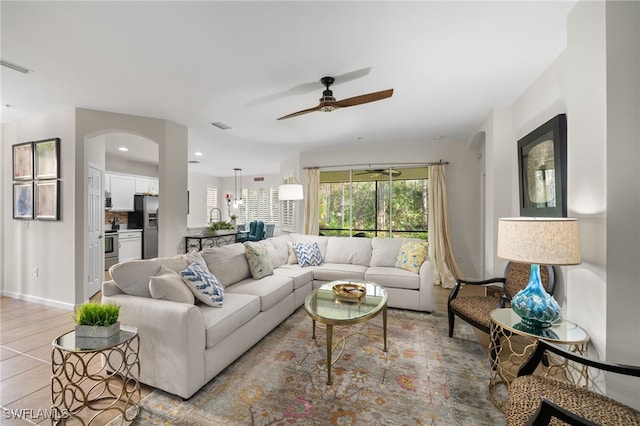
x=259, y=204
x=212, y=203
x=382, y=202
x=289, y=210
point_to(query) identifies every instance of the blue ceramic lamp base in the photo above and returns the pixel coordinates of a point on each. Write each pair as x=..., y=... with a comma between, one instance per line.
x=537, y=308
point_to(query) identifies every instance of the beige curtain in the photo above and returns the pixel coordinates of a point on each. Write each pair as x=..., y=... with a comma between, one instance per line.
x=311, y=210
x=445, y=267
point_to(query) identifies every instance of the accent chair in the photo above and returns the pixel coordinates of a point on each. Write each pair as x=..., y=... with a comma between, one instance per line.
x=476, y=310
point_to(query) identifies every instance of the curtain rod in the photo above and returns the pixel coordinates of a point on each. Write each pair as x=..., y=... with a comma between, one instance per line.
x=431, y=163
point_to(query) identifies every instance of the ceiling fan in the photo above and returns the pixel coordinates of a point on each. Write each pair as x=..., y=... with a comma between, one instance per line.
x=376, y=173
x=328, y=103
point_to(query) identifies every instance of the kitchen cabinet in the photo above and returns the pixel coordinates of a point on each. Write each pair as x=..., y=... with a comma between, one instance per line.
x=145, y=185
x=130, y=245
x=122, y=190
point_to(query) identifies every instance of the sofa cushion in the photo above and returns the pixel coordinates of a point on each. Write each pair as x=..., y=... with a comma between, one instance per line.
x=271, y=290
x=385, y=251
x=258, y=258
x=193, y=256
x=353, y=250
x=168, y=285
x=300, y=276
x=204, y=285
x=280, y=246
x=339, y=271
x=412, y=255
x=227, y=263
x=220, y=322
x=132, y=276
x=392, y=277
x=308, y=254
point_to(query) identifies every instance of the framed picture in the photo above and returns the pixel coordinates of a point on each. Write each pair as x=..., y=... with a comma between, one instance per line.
x=23, y=161
x=23, y=200
x=47, y=156
x=542, y=168
x=46, y=200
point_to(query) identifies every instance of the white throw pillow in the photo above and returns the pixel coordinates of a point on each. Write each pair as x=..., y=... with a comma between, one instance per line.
x=204, y=286
x=259, y=259
x=168, y=285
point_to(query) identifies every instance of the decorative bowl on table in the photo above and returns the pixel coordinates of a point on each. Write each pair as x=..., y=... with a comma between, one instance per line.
x=349, y=291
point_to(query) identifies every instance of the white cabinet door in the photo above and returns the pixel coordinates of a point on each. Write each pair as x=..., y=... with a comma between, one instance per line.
x=130, y=246
x=122, y=190
x=146, y=185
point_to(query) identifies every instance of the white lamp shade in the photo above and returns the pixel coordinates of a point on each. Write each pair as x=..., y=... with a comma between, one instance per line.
x=544, y=240
x=292, y=191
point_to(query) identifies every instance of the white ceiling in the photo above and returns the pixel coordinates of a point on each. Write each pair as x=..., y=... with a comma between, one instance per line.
x=247, y=63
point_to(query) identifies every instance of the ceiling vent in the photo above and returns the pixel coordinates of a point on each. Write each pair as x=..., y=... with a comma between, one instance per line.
x=220, y=125
x=193, y=162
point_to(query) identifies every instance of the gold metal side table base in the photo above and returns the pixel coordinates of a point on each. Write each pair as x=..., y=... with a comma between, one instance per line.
x=100, y=381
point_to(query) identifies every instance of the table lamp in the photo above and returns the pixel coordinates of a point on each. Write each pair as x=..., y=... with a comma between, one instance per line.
x=547, y=241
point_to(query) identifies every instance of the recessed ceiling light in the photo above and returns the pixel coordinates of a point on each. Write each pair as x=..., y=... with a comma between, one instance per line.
x=197, y=154
x=9, y=106
x=220, y=125
x=438, y=137
x=123, y=149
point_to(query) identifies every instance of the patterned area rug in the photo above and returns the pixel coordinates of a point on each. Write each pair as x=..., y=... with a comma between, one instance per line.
x=426, y=378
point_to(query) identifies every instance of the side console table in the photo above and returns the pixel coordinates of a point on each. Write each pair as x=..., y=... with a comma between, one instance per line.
x=199, y=242
x=96, y=374
x=511, y=344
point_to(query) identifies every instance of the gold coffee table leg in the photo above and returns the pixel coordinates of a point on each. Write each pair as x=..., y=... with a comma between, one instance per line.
x=384, y=326
x=313, y=324
x=329, y=351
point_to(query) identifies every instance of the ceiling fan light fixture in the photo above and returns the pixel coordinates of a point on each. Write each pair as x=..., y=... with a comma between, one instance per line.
x=327, y=108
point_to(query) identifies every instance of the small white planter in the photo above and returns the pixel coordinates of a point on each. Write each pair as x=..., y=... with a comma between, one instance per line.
x=224, y=232
x=95, y=331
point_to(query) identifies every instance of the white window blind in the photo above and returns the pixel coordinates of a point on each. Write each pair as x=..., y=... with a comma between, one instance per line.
x=212, y=202
x=288, y=215
x=259, y=204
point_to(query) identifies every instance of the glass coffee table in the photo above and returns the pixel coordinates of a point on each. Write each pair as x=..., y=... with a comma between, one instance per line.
x=325, y=306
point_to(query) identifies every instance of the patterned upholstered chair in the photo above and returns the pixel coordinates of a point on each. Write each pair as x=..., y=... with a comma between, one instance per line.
x=541, y=400
x=476, y=310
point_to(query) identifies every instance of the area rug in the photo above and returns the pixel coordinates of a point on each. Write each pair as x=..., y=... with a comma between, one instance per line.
x=425, y=378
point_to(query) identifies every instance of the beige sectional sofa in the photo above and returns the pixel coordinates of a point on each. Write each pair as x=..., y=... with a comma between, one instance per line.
x=184, y=345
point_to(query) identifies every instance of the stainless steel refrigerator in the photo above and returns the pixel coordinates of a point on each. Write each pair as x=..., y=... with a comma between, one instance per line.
x=145, y=217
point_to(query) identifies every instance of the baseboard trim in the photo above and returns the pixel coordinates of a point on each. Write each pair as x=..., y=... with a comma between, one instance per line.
x=39, y=300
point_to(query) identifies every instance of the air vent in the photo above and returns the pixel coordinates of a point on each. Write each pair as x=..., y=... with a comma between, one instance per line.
x=220, y=125
x=193, y=162
x=14, y=67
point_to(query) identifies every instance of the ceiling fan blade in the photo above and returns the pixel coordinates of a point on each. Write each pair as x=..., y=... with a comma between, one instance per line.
x=363, y=99
x=304, y=111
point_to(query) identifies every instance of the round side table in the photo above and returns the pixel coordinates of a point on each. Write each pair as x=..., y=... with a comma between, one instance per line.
x=511, y=344
x=97, y=374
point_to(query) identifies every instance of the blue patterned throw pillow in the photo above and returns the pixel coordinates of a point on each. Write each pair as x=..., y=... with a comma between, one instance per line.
x=308, y=254
x=204, y=286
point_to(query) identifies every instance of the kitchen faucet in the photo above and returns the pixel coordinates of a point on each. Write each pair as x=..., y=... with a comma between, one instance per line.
x=211, y=214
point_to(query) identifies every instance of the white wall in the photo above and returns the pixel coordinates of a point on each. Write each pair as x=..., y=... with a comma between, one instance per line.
x=198, y=185
x=46, y=245
x=596, y=82
x=463, y=185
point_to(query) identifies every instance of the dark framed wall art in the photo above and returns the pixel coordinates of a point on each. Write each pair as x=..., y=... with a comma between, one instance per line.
x=36, y=184
x=23, y=161
x=47, y=200
x=542, y=169
x=23, y=200
x=47, y=159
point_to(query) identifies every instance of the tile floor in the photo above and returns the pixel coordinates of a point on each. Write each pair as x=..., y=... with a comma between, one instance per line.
x=26, y=332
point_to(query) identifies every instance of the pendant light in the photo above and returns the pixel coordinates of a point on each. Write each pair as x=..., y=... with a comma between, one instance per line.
x=237, y=201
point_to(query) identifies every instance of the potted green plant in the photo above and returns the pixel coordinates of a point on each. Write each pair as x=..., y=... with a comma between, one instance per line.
x=97, y=320
x=221, y=228
x=232, y=218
